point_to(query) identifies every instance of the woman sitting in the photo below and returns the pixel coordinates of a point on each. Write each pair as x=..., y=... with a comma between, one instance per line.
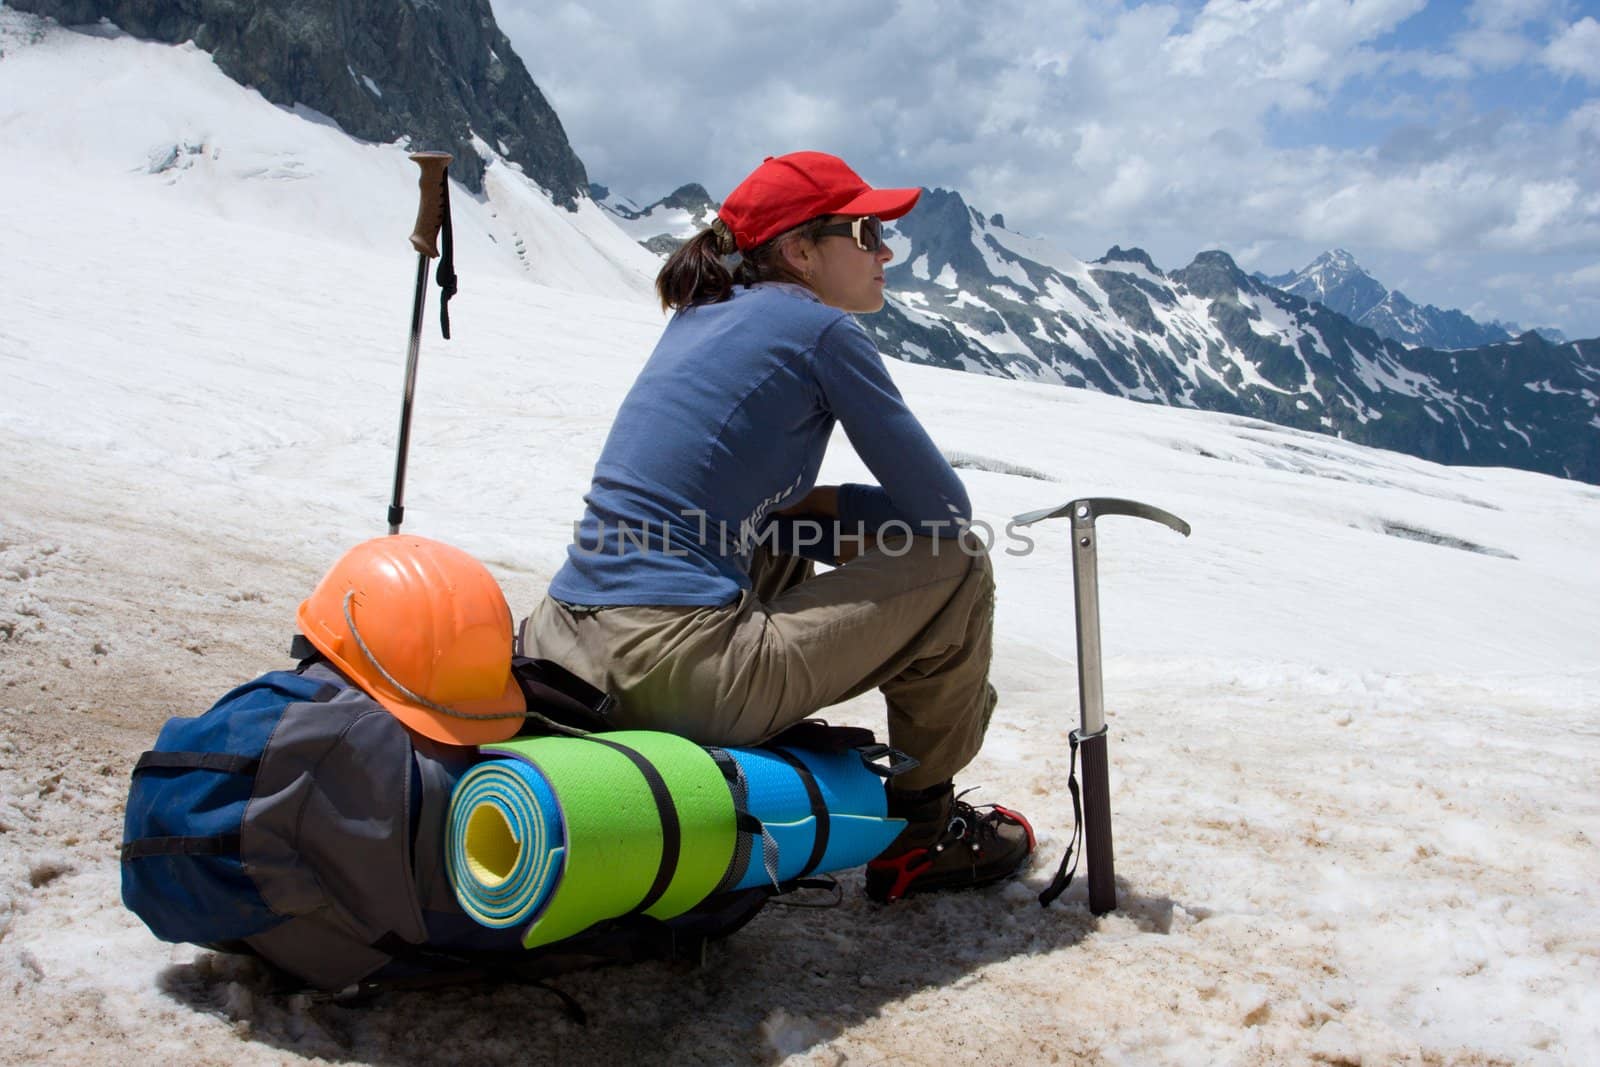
x=689, y=592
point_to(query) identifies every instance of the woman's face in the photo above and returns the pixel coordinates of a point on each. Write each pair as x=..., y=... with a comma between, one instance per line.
x=842, y=274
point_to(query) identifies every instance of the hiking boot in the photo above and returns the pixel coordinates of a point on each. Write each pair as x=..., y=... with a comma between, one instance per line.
x=947, y=844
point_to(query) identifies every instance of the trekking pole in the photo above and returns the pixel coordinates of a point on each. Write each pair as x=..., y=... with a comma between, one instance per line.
x=433, y=211
x=1095, y=815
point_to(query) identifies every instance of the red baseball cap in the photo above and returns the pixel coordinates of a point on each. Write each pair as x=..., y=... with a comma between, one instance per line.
x=787, y=190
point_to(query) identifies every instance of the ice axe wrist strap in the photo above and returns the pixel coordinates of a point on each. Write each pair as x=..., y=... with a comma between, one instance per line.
x=1065, y=873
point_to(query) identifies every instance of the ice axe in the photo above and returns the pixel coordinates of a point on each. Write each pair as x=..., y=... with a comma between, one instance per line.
x=433, y=212
x=1094, y=817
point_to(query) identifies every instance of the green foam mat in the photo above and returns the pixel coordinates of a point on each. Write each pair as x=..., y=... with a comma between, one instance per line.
x=612, y=828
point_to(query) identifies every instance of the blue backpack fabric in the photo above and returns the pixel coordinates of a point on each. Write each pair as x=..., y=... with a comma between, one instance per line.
x=300, y=822
x=182, y=872
x=288, y=821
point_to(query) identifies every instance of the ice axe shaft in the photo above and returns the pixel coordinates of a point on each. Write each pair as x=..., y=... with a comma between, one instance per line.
x=424, y=238
x=1090, y=737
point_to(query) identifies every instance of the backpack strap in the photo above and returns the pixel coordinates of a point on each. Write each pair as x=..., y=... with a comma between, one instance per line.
x=205, y=845
x=745, y=822
x=561, y=695
x=221, y=762
x=822, y=736
x=213, y=845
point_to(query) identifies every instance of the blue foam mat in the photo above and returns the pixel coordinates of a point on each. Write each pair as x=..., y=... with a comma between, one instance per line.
x=523, y=798
x=858, y=828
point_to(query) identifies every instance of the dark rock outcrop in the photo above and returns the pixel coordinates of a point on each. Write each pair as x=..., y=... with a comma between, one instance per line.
x=1118, y=254
x=382, y=69
x=692, y=198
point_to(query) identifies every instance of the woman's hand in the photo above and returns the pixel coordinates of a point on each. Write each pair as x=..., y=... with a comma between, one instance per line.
x=821, y=503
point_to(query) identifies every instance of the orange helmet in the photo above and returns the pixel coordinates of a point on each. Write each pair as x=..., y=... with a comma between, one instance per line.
x=422, y=628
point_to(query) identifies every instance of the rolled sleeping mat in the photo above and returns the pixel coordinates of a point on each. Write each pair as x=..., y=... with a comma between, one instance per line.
x=821, y=812
x=631, y=822
x=506, y=845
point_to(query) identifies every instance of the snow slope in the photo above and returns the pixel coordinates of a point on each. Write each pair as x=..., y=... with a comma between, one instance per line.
x=89, y=109
x=1354, y=716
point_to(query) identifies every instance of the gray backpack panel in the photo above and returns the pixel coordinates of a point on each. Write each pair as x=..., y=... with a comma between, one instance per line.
x=327, y=838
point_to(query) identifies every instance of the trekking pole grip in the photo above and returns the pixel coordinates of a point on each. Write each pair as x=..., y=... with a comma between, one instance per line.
x=430, y=205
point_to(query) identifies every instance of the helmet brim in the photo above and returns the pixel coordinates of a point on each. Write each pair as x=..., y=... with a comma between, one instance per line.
x=509, y=707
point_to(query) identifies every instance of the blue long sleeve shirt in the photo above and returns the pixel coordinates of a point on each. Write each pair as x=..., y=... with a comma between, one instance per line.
x=726, y=424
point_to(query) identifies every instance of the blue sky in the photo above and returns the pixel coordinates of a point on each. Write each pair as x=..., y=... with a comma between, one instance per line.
x=1454, y=148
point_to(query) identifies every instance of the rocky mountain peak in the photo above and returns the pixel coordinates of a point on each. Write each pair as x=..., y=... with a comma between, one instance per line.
x=943, y=229
x=1335, y=280
x=692, y=198
x=1213, y=275
x=1130, y=255
x=442, y=74
x=1338, y=259
x=942, y=208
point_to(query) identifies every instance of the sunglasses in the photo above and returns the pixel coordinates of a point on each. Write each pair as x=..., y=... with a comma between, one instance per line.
x=867, y=231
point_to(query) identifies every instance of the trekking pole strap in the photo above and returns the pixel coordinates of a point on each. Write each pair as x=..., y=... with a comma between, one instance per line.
x=446, y=274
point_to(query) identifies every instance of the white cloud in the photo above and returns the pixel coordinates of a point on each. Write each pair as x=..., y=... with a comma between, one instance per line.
x=1509, y=281
x=1491, y=49
x=1576, y=51
x=1509, y=14
x=1159, y=125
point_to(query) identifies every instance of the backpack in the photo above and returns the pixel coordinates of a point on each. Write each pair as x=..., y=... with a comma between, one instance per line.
x=300, y=822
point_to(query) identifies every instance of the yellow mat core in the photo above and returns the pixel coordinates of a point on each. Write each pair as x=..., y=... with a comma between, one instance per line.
x=492, y=849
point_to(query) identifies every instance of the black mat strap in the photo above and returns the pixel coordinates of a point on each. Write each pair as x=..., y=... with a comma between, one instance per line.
x=671, y=828
x=819, y=808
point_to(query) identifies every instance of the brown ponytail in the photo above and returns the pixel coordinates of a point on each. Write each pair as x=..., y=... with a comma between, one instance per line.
x=694, y=274
x=698, y=274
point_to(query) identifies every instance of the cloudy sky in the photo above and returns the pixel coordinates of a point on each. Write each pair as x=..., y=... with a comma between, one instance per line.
x=1454, y=148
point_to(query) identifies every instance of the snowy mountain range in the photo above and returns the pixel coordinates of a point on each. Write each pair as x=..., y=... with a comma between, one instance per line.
x=1337, y=281
x=967, y=292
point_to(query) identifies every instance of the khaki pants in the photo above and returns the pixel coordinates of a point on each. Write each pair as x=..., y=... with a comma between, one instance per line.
x=918, y=625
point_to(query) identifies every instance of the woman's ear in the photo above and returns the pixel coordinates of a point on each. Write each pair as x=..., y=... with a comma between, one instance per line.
x=800, y=255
